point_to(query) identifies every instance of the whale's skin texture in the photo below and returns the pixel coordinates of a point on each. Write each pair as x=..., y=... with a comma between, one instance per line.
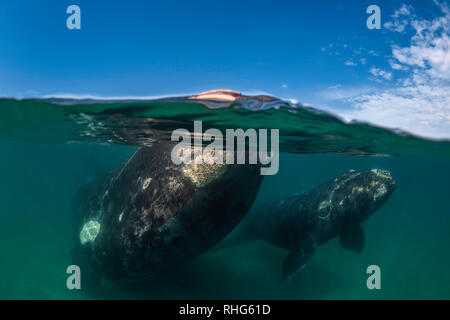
x=151, y=214
x=303, y=221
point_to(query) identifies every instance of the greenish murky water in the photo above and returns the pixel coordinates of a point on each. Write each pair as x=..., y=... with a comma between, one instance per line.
x=48, y=150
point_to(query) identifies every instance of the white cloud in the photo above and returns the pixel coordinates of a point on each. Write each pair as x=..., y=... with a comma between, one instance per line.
x=420, y=103
x=422, y=110
x=429, y=49
x=397, y=66
x=350, y=63
x=400, y=19
x=405, y=10
x=339, y=92
x=380, y=73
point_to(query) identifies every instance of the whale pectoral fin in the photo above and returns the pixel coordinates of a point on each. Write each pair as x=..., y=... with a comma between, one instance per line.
x=90, y=278
x=352, y=238
x=293, y=264
x=296, y=261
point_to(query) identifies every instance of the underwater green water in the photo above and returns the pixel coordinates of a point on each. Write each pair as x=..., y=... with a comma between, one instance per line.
x=408, y=237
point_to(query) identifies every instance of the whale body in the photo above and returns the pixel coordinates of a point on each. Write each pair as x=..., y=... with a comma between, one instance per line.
x=303, y=221
x=151, y=214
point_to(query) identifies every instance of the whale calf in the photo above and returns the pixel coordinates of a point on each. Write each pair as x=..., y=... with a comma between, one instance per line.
x=303, y=221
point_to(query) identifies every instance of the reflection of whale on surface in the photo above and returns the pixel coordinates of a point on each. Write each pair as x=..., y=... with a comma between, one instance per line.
x=301, y=222
x=152, y=214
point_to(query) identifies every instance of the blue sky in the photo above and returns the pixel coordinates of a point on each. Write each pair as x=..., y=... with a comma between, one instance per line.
x=318, y=52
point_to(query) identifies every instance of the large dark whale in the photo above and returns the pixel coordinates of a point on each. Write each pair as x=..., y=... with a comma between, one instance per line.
x=151, y=214
x=303, y=221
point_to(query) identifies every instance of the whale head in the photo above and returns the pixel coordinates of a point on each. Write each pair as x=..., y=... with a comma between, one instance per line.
x=360, y=194
x=379, y=187
x=351, y=199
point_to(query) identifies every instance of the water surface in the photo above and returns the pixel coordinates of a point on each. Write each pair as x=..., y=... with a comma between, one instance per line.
x=50, y=147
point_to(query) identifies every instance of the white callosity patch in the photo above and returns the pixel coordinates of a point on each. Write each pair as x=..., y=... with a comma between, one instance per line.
x=204, y=167
x=120, y=216
x=89, y=231
x=381, y=191
x=146, y=183
x=382, y=173
x=358, y=189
